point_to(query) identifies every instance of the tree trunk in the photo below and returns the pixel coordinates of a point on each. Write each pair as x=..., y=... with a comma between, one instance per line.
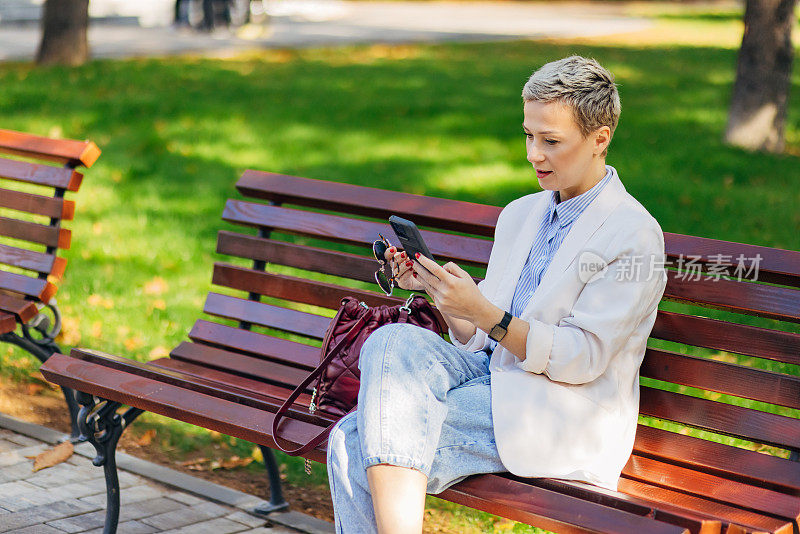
x=64, y=27
x=757, y=116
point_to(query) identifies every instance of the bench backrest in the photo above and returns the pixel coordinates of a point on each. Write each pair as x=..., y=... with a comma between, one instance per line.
x=723, y=354
x=32, y=206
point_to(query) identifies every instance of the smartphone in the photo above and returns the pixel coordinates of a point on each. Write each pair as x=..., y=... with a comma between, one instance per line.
x=410, y=238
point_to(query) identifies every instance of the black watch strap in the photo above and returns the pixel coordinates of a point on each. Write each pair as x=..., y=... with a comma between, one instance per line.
x=501, y=329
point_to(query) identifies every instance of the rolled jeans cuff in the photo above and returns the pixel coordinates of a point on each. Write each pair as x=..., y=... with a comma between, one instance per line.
x=396, y=460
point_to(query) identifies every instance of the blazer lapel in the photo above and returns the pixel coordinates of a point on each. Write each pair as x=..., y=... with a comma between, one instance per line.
x=521, y=247
x=582, y=230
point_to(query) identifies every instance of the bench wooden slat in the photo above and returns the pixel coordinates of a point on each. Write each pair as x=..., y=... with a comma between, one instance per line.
x=470, y=250
x=729, y=515
x=696, y=522
x=447, y=214
x=195, y=382
x=26, y=285
x=235, y=339
x=244, y=365
x=24, y=310
x=8, y=323
x=713, y=487
x=743, y=297
x=731, y=337
x=61, y=150
x=267, y=315
x=57, y=208
x=36, y=173
x=225, y=416
x=548, y=509
x=300, y=289
x=318, y=260
x=32, y=260
x=722, y=377
x=50, y=236
x=776, y=265
x=278, y=393
x=750, y=424
x=297, y=289
x=763, y=470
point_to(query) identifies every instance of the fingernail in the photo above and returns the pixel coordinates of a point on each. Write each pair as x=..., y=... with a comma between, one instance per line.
x=392, y=250
x=415, y=275
x=416, y=255
x=409, y=263
x=402, y=254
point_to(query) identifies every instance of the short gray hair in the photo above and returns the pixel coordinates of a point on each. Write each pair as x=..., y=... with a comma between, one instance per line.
x=582, y=84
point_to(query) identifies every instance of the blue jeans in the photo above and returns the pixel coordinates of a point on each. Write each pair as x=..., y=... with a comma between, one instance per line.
x=423, y=404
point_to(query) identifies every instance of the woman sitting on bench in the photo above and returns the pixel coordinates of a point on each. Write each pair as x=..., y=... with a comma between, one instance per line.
x=542, y=376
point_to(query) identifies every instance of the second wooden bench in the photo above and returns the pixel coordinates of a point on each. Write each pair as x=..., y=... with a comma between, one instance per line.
x=32, y=208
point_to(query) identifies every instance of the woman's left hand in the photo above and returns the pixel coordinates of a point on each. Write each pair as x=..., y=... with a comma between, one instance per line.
x=453, y=290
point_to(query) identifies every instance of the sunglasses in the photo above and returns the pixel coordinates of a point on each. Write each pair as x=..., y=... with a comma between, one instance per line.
x=383, y=276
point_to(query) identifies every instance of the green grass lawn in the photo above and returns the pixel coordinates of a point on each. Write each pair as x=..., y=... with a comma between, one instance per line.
x=439, y=120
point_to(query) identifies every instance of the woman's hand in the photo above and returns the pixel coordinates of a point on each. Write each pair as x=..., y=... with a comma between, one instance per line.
x=402, y=270
x=453, y=290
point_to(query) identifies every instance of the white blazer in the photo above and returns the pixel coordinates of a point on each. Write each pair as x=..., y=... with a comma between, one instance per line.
x=570, y=409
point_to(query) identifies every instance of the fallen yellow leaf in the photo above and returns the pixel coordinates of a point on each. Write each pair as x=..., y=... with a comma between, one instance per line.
x=159, y=352
x=70, y=332
x=234, y=462
x=146, y=438
x=97, y=329
x=54, y=456
x=33, y=388
x=100, y=301
x=195, y=461
x=156, y=286
x=133, y=343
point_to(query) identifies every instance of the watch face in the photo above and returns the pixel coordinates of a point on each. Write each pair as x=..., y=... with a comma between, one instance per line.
x=497, y=332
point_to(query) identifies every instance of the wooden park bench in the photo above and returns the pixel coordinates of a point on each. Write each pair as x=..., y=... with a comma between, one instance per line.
x=235, y=370
x=32, y=206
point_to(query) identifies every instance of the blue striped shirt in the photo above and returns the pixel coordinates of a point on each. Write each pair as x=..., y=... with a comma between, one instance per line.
x=553, y=228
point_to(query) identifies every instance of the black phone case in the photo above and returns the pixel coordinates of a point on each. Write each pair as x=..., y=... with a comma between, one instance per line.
x=410, y=238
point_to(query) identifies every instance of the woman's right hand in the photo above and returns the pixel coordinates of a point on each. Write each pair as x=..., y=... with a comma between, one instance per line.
x=402, y=268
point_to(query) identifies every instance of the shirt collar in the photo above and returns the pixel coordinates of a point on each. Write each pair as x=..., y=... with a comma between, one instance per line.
x=568, y=210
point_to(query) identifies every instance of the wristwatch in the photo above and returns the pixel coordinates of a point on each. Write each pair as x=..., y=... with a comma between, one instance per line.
x=500, y=329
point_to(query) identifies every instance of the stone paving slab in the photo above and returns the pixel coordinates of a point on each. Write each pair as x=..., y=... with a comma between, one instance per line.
x=71, y=496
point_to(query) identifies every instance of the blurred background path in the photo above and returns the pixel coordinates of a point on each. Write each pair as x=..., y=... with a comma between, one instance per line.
x=145, y=27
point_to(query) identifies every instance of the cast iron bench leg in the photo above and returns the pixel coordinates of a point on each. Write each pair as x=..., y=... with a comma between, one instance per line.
x=43, y=350
x=276, y=501
x=102, y=426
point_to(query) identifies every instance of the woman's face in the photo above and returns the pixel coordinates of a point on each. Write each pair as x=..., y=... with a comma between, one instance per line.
x=564, y=160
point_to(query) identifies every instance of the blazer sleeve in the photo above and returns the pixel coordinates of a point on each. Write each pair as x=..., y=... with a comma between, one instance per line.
x=606, y=313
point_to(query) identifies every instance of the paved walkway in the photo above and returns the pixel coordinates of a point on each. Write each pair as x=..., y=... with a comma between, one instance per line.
x=309, y=23
x=71, y=496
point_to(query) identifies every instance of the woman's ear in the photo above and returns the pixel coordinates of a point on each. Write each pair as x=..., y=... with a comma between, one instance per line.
x=602, y=138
